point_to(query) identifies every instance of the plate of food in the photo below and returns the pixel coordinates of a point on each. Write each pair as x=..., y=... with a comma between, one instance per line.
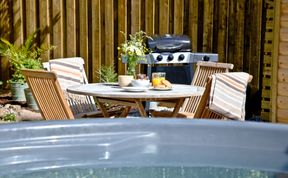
x=162, y=89
x=135, y=89
x=164, y=85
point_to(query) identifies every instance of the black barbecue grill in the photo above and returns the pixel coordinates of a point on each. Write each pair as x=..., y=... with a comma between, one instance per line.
x=173, y=55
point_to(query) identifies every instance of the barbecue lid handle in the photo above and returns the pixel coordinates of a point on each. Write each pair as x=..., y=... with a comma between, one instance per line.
x=173, y=47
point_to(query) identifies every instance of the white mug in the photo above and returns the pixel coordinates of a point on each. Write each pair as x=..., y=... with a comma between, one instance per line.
x=125, y=80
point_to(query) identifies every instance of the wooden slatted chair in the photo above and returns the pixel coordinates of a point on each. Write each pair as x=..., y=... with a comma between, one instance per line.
x=48, y=94
x=201, y=75
x=70, y=71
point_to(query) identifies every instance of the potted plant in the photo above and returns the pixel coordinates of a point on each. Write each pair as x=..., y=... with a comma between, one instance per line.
x=134, y=50
x=107, y=74
x=26, y=56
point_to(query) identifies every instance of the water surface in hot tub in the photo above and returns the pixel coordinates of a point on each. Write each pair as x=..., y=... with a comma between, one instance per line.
x=152, y=172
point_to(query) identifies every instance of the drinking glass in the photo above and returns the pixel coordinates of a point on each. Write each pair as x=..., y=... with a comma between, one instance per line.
x=157, y=77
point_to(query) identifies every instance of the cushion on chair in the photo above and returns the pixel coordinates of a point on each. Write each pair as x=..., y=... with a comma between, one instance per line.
x=228, y=94
x=69, y=72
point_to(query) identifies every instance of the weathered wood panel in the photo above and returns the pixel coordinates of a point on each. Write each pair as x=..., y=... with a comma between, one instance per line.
x=193, y=23
x=269, y=87
x=97, y=54
x=279, y=82
x=78, y=28
x=70, y=32
x=282, y=115
x=6, y=26
x=82, y=26
x=283, y=88
x=178, y=17
x=208, y=25
x=149, y=17
x=109, y=32
x=282, y=102
x=164, y=12
x=122, y=27
x=57, y=30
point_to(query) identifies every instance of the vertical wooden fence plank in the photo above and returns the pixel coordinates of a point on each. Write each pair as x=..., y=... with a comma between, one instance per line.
x=178, y=16
x=83, y=32
x=208, y=25
x=109, y=32
x=6, y=32
x=149, y=17
x=122, y=27
x=18, y=20
x=222, y=30
x=44, y=25
x=275, y=79
x=164, y=11
x=135, y=16
x=239, y=36
x=252, y=59
x=31, y=16
x=136, y=20
x=71, y=33
x=96, y=38
x=231, y=31
x=57, y=28
x=193, y=23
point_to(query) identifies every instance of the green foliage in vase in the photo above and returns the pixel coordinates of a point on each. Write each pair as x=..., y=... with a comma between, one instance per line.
x=25, y=56
x=134, y=49
x=107, y=74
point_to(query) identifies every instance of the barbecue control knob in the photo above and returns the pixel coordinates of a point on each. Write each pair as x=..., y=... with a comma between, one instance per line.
x=170, y=57
x=181, y=57
x=206, y=58
x=159, y=58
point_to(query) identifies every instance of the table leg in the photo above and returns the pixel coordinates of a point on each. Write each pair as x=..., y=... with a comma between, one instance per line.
x=125, y=111
x=102, y=108
x=177, y=107
x=141, y=108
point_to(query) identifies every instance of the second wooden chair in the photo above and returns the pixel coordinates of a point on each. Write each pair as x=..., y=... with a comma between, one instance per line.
x=203, y=71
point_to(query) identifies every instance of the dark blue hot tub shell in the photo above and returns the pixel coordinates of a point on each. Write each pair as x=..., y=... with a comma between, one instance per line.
x=34, y=146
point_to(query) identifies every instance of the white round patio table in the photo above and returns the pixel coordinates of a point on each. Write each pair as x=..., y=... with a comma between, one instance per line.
x=128, y=97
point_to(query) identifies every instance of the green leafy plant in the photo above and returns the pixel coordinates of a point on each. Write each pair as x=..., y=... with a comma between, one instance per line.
x=107, y=74
x=134, y=50
x=26, y=56
x=9, y=114
x=9, y=117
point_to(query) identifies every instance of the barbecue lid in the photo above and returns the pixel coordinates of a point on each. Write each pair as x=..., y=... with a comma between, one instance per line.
x=169, y=43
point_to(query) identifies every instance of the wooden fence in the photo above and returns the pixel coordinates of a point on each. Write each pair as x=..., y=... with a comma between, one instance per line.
x=91, y=28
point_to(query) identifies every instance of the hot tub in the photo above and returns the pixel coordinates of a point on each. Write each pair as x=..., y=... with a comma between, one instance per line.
x=143, y=148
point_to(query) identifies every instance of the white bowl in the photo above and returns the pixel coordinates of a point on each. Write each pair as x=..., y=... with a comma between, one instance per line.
x=140, y=83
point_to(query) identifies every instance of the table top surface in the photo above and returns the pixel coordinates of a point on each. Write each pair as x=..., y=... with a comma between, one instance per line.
x=113, y=90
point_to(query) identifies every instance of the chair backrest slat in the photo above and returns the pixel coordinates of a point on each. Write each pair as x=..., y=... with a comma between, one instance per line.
x=202, y=103
x=48, y=94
